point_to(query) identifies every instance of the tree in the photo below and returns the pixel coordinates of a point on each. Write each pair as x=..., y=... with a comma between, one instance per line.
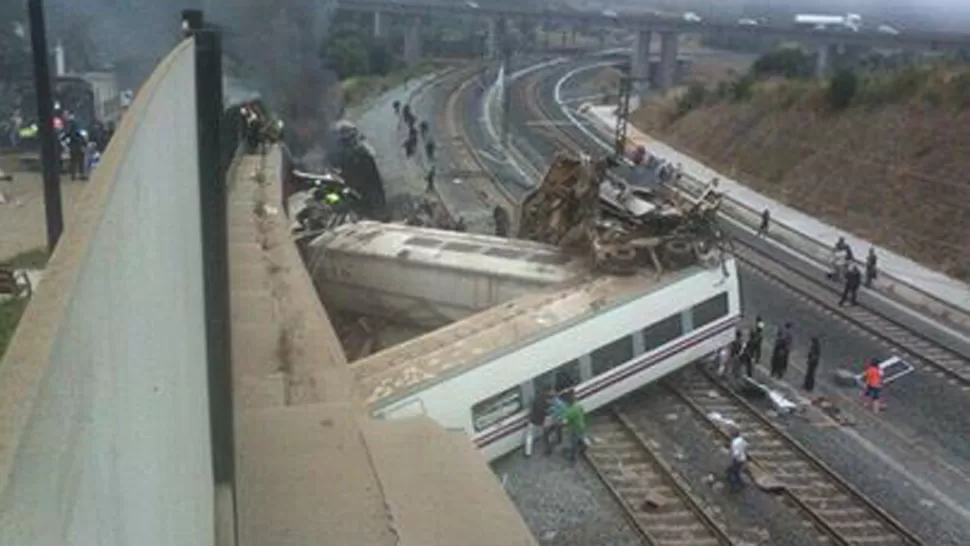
x=788, y=63
x=842, y=89
x=695, y=96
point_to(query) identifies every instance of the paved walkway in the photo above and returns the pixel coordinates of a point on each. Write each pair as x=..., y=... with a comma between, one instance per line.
x=22, y=224
x=904, y=270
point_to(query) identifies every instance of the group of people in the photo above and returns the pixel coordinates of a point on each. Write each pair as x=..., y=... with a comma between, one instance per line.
x=406, y=118
x=550, y=413
x=746, y=353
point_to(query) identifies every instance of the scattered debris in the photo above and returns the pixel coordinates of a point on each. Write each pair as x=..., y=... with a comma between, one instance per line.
x=722, y=421
x=834, y=412
x=578, y=206
x=652, y=501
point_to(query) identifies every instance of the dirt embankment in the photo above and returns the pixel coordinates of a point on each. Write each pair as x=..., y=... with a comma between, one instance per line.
x=897, y=174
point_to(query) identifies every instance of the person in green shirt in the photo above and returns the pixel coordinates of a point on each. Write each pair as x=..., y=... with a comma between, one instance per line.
x=575, y=418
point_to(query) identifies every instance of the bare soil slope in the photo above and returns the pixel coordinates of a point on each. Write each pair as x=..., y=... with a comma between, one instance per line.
x=896, y=174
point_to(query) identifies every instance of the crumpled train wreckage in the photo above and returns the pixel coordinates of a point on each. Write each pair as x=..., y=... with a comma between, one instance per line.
x=622, y=228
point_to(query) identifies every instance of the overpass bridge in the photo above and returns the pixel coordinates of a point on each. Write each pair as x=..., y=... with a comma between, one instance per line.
x=175, y=380
x=644, y=26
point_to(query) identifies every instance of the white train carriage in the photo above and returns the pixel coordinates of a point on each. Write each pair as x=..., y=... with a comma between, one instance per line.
x=604, y=337
x=430, y=277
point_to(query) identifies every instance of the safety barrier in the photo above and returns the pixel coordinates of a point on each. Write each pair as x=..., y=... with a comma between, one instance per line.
x=104, y=407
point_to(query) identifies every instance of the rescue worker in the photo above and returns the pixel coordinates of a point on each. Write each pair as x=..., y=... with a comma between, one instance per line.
x=739, y=456
x=537, y=420
x=409, y=145
x=429, y=178
x=397, y=108
x=765, y=221
x=756, y=339
x=779, y=358
x=76, y=146
x=873, y=380
x=853, y=278
x=747, y=353
x=554, y=424
x=871, y=267
x=575, y=417
x=423, y=128
x=429, y=148
x=734, y=353
x=409, y=118
x=814, y=353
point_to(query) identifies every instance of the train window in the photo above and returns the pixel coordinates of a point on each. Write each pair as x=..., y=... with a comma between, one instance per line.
x=708, y=311
x=422, y=241
x=503, y=253
x=560, y=379
x=493, y=409
x=461, y=247
x=612, y=355
x=662, y=332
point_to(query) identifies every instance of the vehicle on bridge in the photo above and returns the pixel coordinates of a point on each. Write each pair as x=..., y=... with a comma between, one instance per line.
x=603, y=339
x=850, y=22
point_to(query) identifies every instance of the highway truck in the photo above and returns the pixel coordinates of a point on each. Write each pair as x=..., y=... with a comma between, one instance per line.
x=851, y=22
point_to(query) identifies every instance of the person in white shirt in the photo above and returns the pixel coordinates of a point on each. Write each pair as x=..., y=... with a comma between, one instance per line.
x=739, y=456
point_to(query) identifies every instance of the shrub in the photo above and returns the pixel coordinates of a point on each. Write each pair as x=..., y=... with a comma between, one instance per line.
x=842, y=89
x=789, y=63
x=742, y=88
x=695, y=96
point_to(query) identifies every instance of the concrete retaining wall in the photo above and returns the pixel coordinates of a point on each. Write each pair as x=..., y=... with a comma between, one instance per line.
x=104, y=428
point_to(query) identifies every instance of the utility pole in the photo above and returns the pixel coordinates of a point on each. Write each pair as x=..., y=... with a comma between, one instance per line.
x=50, y=158
x=506, y=94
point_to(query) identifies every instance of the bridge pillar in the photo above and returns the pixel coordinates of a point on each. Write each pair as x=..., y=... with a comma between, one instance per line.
x=412, y=42
x=380, y=25
x=491, y=39
x=668, y=60
x=640, y=64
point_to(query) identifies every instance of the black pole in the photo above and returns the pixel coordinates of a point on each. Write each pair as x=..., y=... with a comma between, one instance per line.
x=50, y=159
x=215, y=251
x=191, y=21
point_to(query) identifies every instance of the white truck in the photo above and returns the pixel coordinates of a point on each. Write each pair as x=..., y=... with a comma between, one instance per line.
x=851, y=22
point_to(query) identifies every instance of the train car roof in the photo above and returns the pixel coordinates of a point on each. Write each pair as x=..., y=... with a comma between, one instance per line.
x=466, y=344
x=485, y=254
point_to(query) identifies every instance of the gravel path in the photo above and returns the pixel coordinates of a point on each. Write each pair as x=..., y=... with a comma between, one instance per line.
x=564, y=504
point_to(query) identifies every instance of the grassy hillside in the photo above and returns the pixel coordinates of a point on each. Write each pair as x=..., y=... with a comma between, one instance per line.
x=892, y=166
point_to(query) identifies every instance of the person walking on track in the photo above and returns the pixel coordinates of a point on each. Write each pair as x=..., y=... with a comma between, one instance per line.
x=757, y=337
x=739, y=456
x=814, y=353
x=873, y=380
x=765, y=222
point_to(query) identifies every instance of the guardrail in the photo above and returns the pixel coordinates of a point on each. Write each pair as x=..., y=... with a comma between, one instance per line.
x=104, y=406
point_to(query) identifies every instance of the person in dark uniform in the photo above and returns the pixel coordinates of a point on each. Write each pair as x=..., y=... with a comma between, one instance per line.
x=756, y=339
x=853, y=278
x=870, y=267
x=814, y=353
x=779, y=359
x=747, y=353
x=76, y=144
x=429, y=148
x=765, y=222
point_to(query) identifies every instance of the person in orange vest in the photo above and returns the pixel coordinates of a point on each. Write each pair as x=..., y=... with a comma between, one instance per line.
x=873, y=377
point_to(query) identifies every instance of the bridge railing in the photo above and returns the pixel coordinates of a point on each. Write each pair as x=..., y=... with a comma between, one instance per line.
x=104, y=408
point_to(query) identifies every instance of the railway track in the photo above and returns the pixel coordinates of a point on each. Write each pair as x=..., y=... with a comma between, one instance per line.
x=837, y=508
x=914, y=347
x=834, y=505
x=657, y=503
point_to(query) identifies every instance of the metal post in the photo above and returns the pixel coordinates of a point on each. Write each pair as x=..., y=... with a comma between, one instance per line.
x=50, y=158
x=215, y=251
x=191, y=21
x=506, y=92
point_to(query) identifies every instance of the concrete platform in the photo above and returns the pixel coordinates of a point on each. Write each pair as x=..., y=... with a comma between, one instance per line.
x=312, y=467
